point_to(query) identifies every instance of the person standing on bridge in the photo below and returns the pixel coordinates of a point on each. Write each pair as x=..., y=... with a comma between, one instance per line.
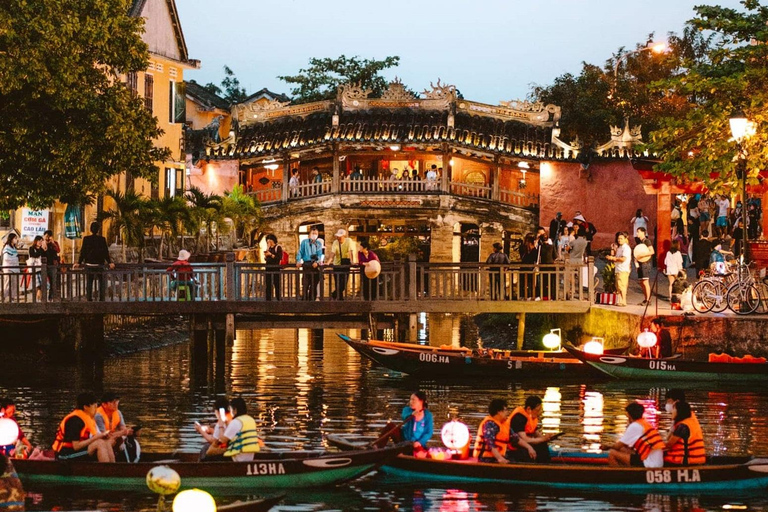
x=10, y=263
x=369, y=276
x=496, y=277
x=95, y=254
x=342, y=256
x=310, y=259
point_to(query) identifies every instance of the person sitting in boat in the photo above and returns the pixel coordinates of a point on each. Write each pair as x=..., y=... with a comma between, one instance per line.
x=641, y=444
x=675, y=395
x=212, y=433
x=663, y=339
x=109, y=417
x=493, y=434
x=79, y=438
x=240, y=440
x=8, y=410
x=523, y=422
x=685, y=445
x=419, y=425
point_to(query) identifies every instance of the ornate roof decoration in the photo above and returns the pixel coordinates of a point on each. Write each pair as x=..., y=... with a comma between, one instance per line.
x=397, y=92
x=351, y=95
x=253, y=112
x=440, y=92
x=527, y=112
x=622, y=138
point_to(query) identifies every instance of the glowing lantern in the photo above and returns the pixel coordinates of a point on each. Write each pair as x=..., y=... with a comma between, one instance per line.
x=455, y=435
x=194, y=500
x=163, y=480
x=646, y=339
x=552, y=341
x=594, y=346
x=9, y=432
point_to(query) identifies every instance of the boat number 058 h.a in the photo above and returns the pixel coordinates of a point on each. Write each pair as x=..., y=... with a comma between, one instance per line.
x=665, y=476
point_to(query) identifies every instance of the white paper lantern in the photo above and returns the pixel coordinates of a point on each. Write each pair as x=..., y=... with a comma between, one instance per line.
x=372, y=269
x=455, y=435
x=163, y=480
x=194, y=500
x=552, y=340
x=9, y=431
x=646, y=339
x=593, y=347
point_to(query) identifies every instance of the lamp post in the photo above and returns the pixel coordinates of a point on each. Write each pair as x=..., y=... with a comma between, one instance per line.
x=742, y=129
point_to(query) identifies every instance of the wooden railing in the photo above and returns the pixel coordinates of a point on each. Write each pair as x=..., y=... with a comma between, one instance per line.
x=231, y=281
x=471, y=190
x=516, y=198
x=389, y=186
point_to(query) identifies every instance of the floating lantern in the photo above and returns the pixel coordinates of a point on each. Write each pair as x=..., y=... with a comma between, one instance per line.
x=646, y=339
x=455, y=435
x=9, y=432
x=594, y=346
x=163, y=480
x=553, y=339
x=194, y=500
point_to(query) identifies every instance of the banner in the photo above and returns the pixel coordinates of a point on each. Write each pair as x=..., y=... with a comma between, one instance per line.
x=33, y=222
x=72, y=222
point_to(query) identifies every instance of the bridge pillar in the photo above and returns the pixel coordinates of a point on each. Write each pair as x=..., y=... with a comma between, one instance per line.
x=520, y=330
x=229, y=329
x=413, y=327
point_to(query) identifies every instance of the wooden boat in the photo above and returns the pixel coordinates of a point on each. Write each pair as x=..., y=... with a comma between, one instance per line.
x=262, y=505
x=429, y=361
x=665, y=370
x=269, y=470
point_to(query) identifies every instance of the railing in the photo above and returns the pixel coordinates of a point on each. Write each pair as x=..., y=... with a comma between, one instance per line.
x=269, y=195
x=311, y=189
x=471, y=190
x=515, y=198
x=389, y=186
x=232, y=281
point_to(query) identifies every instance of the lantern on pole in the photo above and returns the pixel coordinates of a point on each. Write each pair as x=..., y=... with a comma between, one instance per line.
x=455, y=435
x=594, y=346
x=646, y=339
x=553, y=340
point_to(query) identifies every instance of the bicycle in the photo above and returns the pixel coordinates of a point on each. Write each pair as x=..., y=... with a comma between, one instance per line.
x=744, y=297
x=710, y=293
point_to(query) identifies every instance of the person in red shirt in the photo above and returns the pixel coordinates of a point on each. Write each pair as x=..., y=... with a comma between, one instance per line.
x=8, y=410
x=183, y=273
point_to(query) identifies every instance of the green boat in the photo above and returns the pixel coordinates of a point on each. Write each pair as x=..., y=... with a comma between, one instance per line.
x=665, y=370
x=286, y=470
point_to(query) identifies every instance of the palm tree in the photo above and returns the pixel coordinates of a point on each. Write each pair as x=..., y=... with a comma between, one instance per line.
x=171, y=214
x=244, y=211
x=205, y=209
x=126, y=219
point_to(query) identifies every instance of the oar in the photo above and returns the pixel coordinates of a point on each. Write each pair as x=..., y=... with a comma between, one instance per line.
x=386, y=434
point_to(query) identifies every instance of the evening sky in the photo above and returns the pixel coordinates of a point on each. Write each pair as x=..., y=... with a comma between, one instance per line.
x=490, y=49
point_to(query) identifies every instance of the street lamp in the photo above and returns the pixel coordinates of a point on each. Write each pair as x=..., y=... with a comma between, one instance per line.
x=656, y=48
x=741, y=129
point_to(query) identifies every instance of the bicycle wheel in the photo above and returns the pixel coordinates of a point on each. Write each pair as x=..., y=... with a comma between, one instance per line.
x=703, y=296
x=743, y=299
x=720, y=297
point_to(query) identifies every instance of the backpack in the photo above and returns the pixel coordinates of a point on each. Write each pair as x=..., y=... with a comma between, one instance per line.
x=285, y=258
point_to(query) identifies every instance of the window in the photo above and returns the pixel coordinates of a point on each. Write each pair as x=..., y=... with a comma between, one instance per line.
x=174, y=182
x=177, y=112
x=149, y=91
x=132, y=82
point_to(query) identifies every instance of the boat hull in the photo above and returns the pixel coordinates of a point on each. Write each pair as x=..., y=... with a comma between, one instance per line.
x=439, y=362
x=623, y=367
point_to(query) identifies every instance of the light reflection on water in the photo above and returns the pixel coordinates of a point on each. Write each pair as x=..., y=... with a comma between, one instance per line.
x=302, y=385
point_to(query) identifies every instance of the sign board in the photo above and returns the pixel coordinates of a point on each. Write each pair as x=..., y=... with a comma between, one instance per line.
x=33, y=222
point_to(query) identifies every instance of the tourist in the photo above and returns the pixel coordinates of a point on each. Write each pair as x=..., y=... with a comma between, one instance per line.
x=418, y=425
x=496, y=279
x=588, y=230
x=273, y=256
x=705, y=214
x=684, y=243
x=365, y=257
x=524, y=422
x=34, y=262
x=562, y=243
x=342, y=256
x=694, y=222
x=492, y=438
x=722, y=206
x=183, y=275
x=663, y=339
x=317, y=180
x=211, y=434
x=432, y=178
x=621, y=257
x=685, y=444
x=528, y=255
x=577, y=249
x=556, y=227
x=109, y=418
x=738, y=237
x=702, y=248
x=240, y=440
x=753, y=219
x=310, y=259
x=8, y=411
x=95, y=254
x=52, y=259
x=78, y=436
x=546, y=256
x=676, y=219
x=11, y=270
x=637, y=222
x=640, y=445
x=643, y=254
x=293, y=183
x=673, y=263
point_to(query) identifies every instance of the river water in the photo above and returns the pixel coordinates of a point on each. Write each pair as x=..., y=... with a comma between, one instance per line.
x=304, y=384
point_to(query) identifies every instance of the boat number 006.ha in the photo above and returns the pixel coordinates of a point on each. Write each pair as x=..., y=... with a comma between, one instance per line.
x=433, y=358
x=661, y=365
x=664, y=476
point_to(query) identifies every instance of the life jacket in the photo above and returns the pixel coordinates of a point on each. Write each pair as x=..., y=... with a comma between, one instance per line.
x=110, y=423
x=500, y=443
x=688, y=452
x=530, y=426
x=649, y=441
x=88, y=431
x=247, y=440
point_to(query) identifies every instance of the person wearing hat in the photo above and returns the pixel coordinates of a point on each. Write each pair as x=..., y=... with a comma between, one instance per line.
x=342, y=256
x=183, y=274
x=556, y=228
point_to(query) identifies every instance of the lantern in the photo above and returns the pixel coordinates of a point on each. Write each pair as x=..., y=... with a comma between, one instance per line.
x=594, y=346
x=552, y=340
x=373, y=269
x=163, y=480
x=194, y=500
x=646, y=339
x=455, y=435
x=9, y=432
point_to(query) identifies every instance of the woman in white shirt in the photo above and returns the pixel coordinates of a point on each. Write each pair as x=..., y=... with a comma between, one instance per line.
x=638, y=221
x=673, y=263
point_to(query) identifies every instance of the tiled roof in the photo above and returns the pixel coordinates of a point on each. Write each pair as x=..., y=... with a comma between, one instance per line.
x=266, y=93
x=398, y=126
x=205, y=97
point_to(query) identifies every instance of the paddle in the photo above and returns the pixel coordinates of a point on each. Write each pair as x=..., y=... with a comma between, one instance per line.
x=387, y=433
x=556, y=435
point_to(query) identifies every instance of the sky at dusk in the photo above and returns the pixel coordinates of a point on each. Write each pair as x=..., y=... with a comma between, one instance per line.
x=491, y=50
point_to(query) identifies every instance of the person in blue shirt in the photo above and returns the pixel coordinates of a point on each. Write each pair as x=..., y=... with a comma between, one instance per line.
x=419, y=425
x=310, y=259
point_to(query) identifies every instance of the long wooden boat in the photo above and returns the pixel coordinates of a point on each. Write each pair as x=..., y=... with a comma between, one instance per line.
x=267, y=471
x=626, y=367
x=429, y=361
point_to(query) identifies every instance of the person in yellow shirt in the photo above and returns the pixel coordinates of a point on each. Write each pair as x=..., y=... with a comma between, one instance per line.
x=342, y=256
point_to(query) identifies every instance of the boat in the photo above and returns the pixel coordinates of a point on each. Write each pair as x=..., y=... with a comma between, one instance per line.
x=269, y=470
x=665, y=370
x=429, y=361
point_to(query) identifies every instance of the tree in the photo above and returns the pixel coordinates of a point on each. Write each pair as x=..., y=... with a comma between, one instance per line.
x=171, y=214
x=734, y=76
x=243, y=210
x=127, y=216
x=67, y=123
x=205, y=210
x=322, y=78
x=230, y=88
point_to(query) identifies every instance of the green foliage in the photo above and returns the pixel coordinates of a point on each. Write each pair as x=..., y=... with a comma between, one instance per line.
x=128, y=218
x=171, y=214
x=322, y=78
x=398, y=249
x=66, y=122
x=244, y=211
x=733, y=76
x=205, y=211
x=230, y=88
x=609, y=278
